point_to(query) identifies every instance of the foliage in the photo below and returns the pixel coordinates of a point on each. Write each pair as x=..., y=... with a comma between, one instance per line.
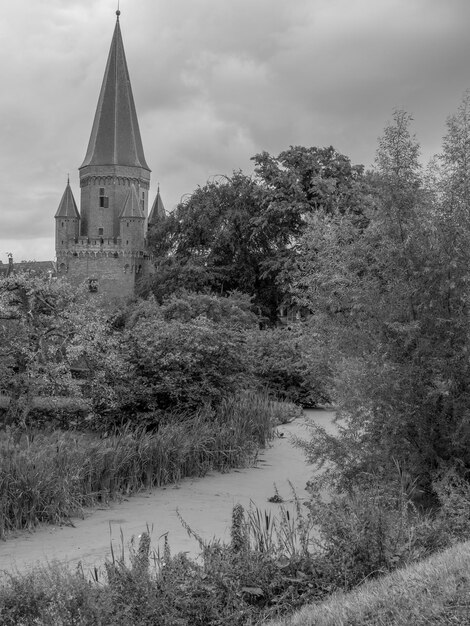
x=97, y=348
x=267, y=570
x=175, y=369
x=49, y=597
x=453, y=492
x=391, y=299
x=371, y=530
x=232, y=311
x=34, y=332
x=211, y=242
x=291, y=364
x=182, y=365
x=49, y=477
x=301, y=181
x=434, y=591
x=47, y=335
x=240, y=233
x=228, y=585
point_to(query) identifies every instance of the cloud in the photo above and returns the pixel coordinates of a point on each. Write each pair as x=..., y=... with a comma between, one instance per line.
x=214, y=83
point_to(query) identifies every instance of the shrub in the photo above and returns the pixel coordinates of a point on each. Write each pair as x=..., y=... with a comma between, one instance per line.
x=50, y=596
x=227, y=586
x=290, y=363
x=267, y=570
x=184, y=365
x=453, y=492
x=370, y=530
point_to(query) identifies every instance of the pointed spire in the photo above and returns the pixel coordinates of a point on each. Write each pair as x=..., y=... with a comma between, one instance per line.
x=68, y=206
x=158, y=210
x=132, y=206
x=115, y=136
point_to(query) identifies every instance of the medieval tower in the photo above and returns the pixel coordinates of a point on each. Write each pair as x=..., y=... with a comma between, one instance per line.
x=104, y=244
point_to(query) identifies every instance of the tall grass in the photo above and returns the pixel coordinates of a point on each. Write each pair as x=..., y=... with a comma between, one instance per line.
x=52, y=476
x=240, y=584
x=287, y=535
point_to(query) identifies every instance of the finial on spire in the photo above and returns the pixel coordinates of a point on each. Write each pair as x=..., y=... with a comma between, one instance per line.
x=118, y=12
x=68, y=179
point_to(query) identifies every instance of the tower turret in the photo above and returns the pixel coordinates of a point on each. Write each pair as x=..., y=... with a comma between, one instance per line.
x=158, y=210
x=132, y=221
x=67, y=220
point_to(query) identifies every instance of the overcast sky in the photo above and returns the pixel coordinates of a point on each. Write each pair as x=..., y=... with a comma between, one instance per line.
x=215, y=82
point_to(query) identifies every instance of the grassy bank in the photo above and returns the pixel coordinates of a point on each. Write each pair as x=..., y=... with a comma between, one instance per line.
x=434, y=591
x=52, y=476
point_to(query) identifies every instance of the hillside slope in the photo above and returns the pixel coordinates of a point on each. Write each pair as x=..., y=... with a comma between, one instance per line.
x=434, y=591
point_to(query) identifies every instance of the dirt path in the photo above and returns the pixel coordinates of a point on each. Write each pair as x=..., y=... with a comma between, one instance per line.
x=205, y=503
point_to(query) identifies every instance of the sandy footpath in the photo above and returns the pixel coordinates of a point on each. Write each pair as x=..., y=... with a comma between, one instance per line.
x=205, y=503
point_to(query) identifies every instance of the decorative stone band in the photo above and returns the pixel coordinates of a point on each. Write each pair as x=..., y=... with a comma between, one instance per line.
x=117, y=180
x=79, y=252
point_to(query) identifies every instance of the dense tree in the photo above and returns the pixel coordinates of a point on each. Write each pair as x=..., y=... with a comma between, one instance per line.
x=211, y=242
x=392, y=299
x=34, y=332
x=291, y=363
x=241, y=233
x=301, y=181
x=188, y=352
x=46, y=334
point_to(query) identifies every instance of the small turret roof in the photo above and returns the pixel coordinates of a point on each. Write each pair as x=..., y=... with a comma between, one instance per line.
x=115, y=136
x=132, y=206
x=68, y=206
x=158, y=210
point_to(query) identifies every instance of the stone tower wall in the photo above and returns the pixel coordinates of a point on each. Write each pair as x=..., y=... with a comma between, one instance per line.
x=113, y=274
x=66, y=228
x=116, y=182
x=132, y=233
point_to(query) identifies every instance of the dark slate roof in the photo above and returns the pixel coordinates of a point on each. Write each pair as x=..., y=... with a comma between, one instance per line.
x=132, y=206
x=37, y=267
x=67, y=206
x=158, y=210
x=115, y=136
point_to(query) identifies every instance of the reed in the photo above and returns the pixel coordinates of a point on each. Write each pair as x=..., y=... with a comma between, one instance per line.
x=287, y=535
x=53, y=476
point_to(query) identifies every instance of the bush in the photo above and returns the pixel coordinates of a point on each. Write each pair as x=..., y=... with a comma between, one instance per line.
x=268, y=569
x=291, y=364
x=231, y=584
x=453, y=492
x=371, y=530
x=181, y=362
x=48, y=597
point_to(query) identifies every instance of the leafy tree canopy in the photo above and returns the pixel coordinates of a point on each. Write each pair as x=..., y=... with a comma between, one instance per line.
x=241, y=233
x=392, y=298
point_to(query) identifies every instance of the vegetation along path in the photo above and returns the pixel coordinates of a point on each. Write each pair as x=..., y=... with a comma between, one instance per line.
x=204, y=503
